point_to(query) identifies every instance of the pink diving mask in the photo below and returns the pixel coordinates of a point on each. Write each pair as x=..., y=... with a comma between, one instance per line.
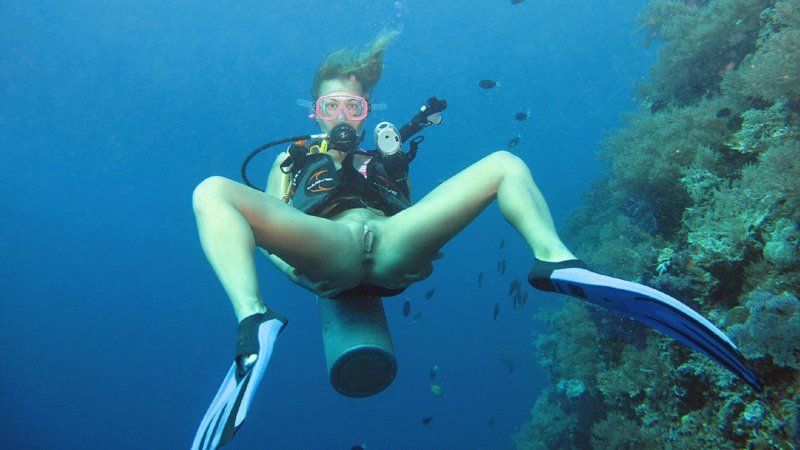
x=341, y=106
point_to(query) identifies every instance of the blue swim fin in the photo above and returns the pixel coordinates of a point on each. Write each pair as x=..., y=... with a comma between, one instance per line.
x=647, y=305
x=228, y=410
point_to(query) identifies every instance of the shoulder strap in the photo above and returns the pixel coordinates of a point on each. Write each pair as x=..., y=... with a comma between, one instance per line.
x=296, y=160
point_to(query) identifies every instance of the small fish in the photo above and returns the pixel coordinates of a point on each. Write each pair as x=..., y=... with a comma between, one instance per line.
x=657, y=105
x=488, y=84
x=359, y=447
x=502, y=243
x=429, y=294
x=501, y=266
x=480, y=278
x=432, y=374
x=724, y=112
x=521, y=115
x=491, y=422
x=436, y=389
x=513, y=287
x=427, y=420
x=416, y=317
x=515, y=292
x=511, y=366
x=406, y=308
x=514, y=141
x=734, y=124
x=508, y=360
x=516, y=2
x=496, y=311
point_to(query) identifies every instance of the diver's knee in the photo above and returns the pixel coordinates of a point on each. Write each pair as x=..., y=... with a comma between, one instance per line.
x=209, y=191
x=507, y=162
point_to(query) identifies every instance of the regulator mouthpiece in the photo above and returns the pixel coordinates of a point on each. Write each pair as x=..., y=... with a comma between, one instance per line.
x=343, y=137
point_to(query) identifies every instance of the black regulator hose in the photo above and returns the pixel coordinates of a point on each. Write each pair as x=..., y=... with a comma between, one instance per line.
x=264, y=147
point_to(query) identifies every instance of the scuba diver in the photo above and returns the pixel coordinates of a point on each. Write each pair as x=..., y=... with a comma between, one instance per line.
x=339, y=221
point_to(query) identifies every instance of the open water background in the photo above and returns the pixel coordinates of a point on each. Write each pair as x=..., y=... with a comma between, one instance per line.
x=114, y=332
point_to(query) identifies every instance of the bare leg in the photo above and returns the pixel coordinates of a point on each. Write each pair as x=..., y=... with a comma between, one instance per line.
x=450, y=207
x=232, y=219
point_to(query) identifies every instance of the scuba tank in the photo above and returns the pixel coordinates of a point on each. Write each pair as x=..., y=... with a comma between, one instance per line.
x=358, y=346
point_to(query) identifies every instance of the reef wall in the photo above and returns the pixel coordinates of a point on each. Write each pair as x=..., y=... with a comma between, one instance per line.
x=701, y=201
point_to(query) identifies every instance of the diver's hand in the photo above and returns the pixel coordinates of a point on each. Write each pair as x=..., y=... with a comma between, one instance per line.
x=411, y=278
x=323, y=288
x=329, y=288
x=424, y=273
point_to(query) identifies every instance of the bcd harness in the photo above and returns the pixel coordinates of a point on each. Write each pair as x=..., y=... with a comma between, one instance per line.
x=313, y=184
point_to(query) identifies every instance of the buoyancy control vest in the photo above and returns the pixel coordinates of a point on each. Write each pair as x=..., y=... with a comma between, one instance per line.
x=317, y=188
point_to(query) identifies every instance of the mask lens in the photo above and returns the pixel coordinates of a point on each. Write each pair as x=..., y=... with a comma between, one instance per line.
x=329, y=107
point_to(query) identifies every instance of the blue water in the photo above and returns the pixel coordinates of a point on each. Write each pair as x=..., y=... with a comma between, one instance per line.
x=114, y=332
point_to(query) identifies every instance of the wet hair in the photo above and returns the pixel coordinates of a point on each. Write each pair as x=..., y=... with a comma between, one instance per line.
x=346, y=64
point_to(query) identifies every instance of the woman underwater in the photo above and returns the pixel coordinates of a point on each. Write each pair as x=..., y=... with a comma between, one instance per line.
x=341, y=221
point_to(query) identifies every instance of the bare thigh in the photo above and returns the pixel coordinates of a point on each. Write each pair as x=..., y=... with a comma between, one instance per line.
x=412, y=238
x=322, y=249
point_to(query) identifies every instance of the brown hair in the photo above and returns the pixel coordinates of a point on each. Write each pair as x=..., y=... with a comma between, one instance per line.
x=365, y=67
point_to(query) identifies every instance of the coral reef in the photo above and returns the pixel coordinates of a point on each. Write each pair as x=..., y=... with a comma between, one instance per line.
x=772, y=329
x=701, y=41
x=772, y=72
x=701, y=201
x=570, y=322
x=561, y=409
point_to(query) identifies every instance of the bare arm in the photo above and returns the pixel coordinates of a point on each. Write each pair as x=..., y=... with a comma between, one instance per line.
x=275, y=179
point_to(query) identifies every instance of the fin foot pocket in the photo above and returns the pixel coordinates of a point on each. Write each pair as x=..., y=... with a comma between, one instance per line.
x=539, y=276
x=256, y=339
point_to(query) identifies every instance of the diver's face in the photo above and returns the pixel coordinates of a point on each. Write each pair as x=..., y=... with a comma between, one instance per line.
x=338, y=86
